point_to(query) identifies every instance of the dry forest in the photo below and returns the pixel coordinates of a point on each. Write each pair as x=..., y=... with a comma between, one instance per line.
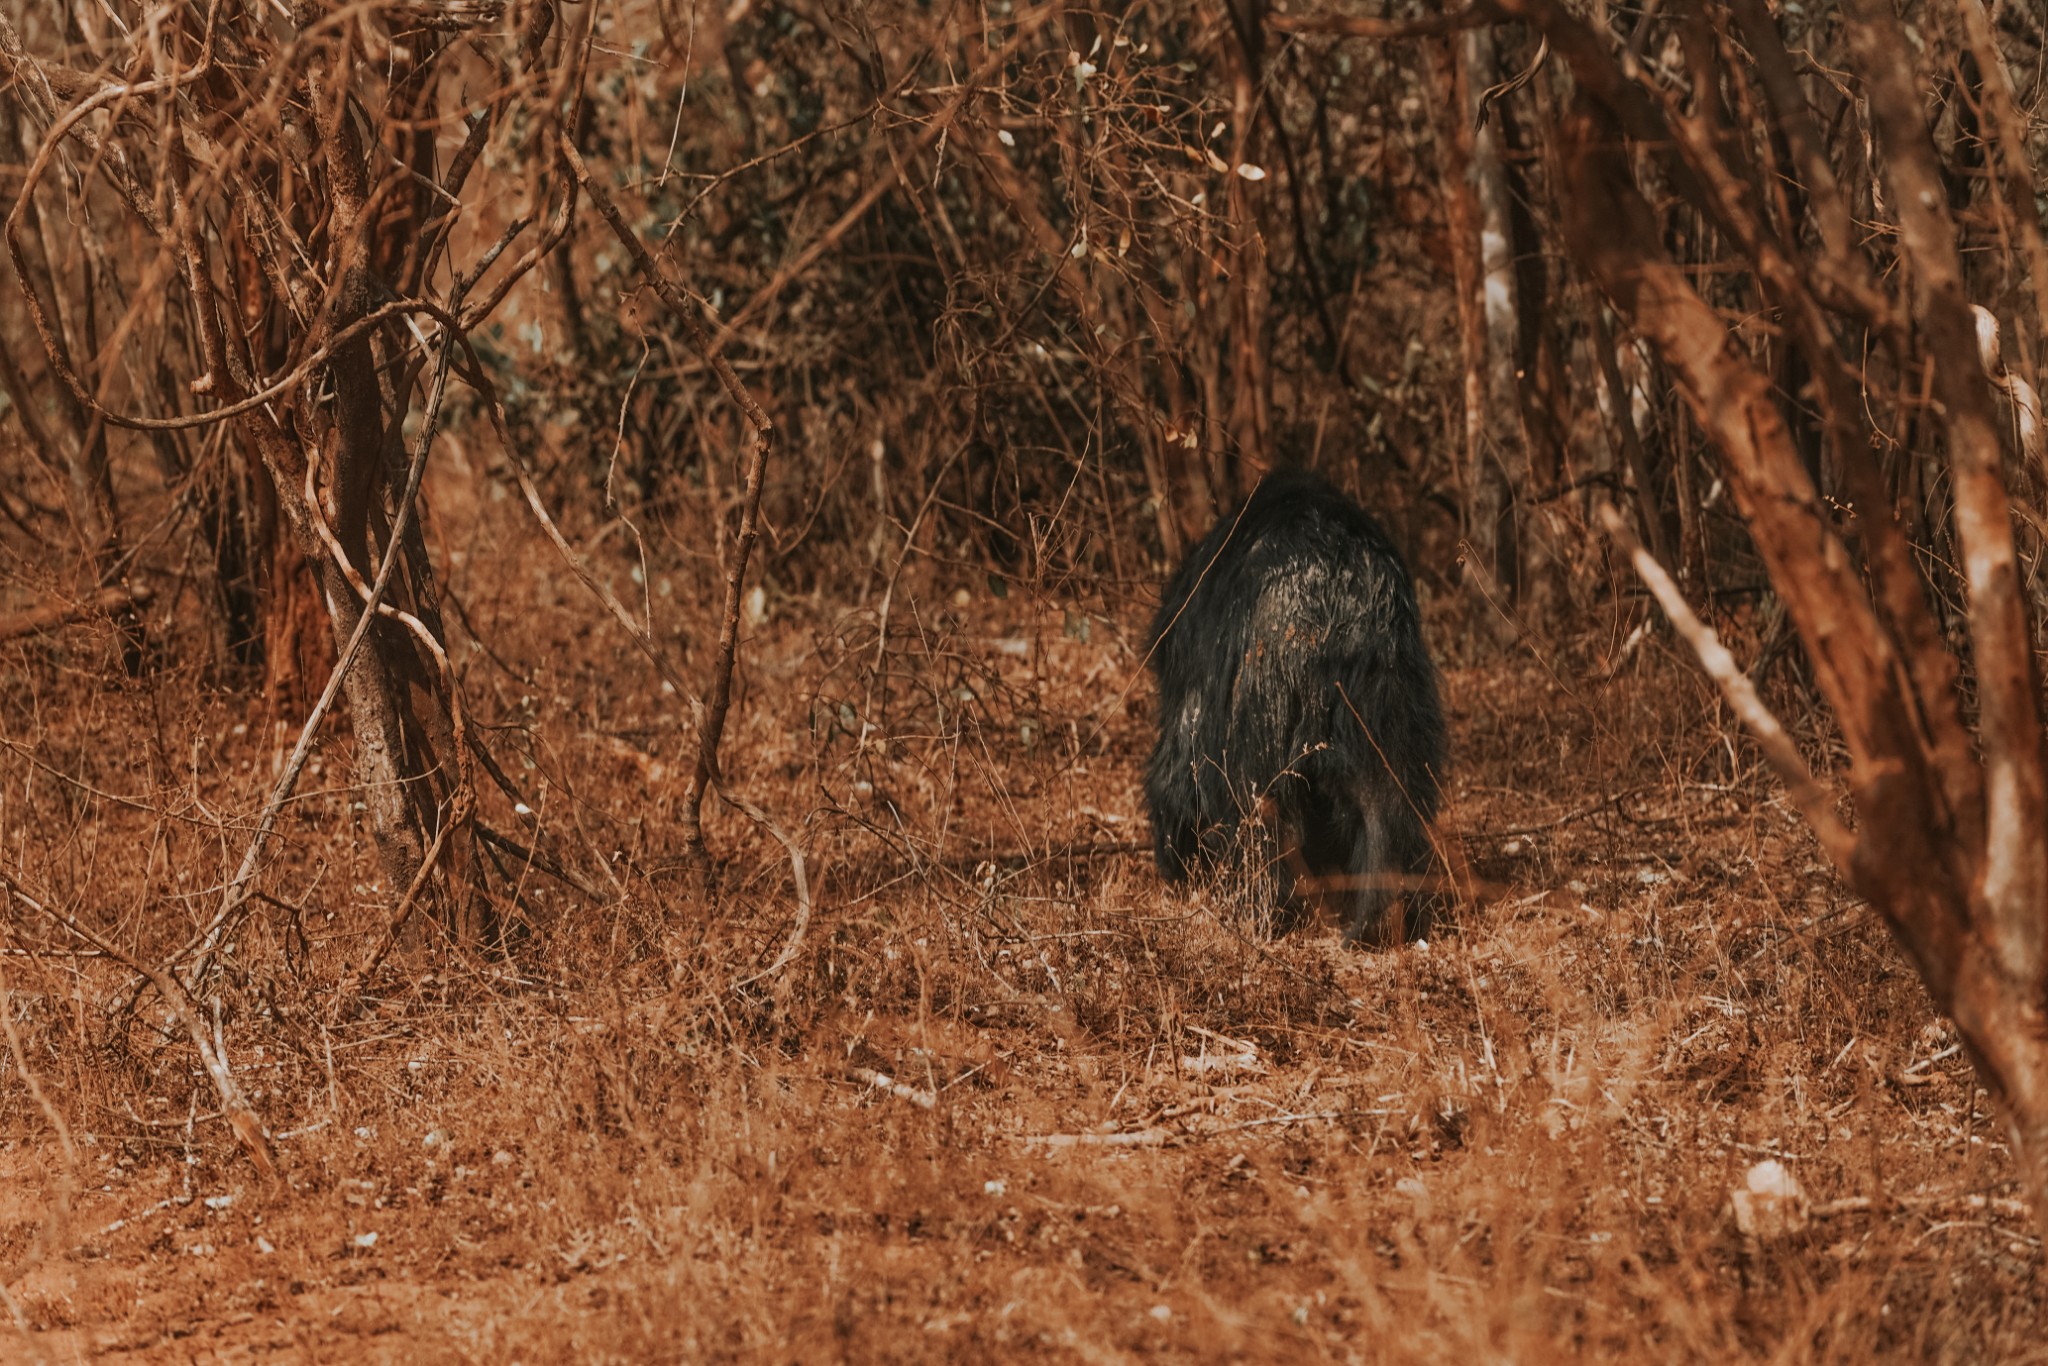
x=576, y=674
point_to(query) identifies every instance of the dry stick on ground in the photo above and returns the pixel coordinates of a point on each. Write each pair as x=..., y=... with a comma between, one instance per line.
x=241, y=1116
x=1159, y=1137
x=1129, y=1138
x=803, y=888
x=59, y=1211
x=882, y=1081
x=1815, y=801
x=718, y=701
x=37, y=620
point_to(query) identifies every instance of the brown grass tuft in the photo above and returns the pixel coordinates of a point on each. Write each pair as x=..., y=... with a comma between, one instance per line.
x=1007, y=1096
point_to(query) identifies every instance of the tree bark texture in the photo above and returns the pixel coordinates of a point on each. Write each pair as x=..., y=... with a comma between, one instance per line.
x=1951, y=847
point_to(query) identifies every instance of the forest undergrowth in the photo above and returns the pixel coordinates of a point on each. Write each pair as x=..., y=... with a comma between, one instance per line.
x=982, y=1087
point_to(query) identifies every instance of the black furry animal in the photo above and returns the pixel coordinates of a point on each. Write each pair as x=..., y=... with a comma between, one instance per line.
x=1294, y=687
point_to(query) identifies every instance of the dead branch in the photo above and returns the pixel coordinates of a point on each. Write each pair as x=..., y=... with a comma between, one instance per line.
x=2015, y=877
x=1815, y=802
x=796, y=871
x=882, y=1081
x=241, y=1116
x=236, y=895
x=59, y=1212
x=1132, y=1138
x=934, y=129
x=105, y=602
x=1947, y=845
x=711, y=722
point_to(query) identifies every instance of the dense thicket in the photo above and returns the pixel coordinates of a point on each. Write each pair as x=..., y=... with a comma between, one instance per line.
x=1024, y=296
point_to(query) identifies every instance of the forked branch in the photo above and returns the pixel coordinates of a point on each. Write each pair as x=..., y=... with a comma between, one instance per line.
x=1815, y=801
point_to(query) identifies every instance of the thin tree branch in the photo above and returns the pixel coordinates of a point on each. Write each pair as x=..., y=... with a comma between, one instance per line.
x=1815, y=802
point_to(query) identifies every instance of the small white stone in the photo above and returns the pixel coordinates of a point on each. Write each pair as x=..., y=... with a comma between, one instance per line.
x=1769, y=1203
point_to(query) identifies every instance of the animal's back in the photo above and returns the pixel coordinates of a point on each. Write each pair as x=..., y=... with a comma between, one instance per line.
x=1293, y=678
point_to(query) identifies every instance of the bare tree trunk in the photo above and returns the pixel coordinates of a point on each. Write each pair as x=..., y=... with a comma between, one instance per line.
x=1502, y=458
x=298, y=638
x=1543, y=462
x=1948, y=845
x=407, y=787
x=1461, y=224
x=1251, y=390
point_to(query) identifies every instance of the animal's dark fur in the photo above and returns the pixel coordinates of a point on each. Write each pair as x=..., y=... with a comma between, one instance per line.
x=1294, y=687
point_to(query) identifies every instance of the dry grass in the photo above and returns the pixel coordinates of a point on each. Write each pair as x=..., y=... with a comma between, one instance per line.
x=1002, y=1095
x=1007, y=1097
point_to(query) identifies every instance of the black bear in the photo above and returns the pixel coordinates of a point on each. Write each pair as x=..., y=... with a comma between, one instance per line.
x=1301, y=738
